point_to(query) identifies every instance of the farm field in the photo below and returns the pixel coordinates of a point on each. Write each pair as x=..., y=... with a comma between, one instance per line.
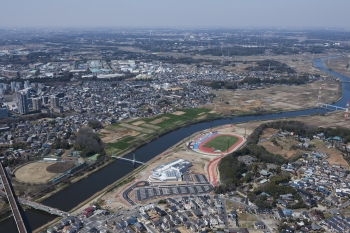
x=142, y=130
x=221, y=143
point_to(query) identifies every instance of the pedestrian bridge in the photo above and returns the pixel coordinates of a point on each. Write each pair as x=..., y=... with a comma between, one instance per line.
x=126, y=159
x=330, y=107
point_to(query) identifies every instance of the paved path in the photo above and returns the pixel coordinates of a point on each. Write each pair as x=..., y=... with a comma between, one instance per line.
x=211, y=170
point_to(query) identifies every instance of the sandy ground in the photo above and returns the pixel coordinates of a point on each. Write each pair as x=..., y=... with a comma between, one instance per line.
x=178, y=113
x=35, y=172
x=285, y=98
x=138, y=123
x=156, y=121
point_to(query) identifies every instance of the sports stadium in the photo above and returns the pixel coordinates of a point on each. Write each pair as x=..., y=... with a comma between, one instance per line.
x=216, y=143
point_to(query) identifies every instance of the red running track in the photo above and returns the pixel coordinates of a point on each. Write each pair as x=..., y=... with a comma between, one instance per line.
x=207, y=150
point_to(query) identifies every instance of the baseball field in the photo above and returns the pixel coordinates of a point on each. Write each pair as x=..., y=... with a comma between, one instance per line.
x=42, y=172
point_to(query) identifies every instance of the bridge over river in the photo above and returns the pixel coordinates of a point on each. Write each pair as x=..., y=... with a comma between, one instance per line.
x=126, y=159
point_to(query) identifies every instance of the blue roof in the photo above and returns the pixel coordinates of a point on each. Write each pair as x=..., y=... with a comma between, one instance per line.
x=266, y=194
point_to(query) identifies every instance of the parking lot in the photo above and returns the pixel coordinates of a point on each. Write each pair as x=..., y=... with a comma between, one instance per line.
x=145, y=193
x=200, y=179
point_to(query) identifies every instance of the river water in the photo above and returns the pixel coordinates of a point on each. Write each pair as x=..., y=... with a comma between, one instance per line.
x=85, y=188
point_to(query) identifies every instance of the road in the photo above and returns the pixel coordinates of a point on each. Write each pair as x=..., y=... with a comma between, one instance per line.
x=128, y=190
x=47, y=209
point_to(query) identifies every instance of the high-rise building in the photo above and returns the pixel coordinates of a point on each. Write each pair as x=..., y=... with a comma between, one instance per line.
x=3, y=113
x=13, y=86
x=45, y=100
x=26, y=84
x=19, y=85
x=54, y=102
x=22, y=103
x=37, y=104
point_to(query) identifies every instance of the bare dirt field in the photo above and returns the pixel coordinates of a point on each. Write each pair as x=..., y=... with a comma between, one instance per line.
x=35, y=172
x=336, y=158
x=178, y=113
x=274, y=98
x=268, y=132
x=112, y=134
x=138, y=123
x=137, y=128
x=60, y=167
x=339, y=64
x=156, y=121
x=150, y=126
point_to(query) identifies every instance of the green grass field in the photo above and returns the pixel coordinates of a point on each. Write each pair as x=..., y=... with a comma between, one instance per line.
x=221, y=143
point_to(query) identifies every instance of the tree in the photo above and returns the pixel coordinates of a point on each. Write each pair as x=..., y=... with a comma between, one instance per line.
x=88, y=142
x=95, y=124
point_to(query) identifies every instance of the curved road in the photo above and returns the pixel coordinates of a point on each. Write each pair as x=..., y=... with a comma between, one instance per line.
x=128, y=190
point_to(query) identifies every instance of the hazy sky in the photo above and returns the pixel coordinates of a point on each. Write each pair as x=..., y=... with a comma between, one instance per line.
x=175, y=13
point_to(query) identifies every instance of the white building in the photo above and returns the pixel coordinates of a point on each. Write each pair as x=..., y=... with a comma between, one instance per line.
x=171, y=171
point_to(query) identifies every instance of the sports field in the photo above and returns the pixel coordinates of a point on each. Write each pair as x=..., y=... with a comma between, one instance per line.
x=35, y=172
x=221, y=143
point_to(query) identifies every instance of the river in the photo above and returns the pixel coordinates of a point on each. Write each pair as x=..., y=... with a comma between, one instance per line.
x=85, y=188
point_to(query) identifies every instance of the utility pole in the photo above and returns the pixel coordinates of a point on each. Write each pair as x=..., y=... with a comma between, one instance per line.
x=133, y=159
